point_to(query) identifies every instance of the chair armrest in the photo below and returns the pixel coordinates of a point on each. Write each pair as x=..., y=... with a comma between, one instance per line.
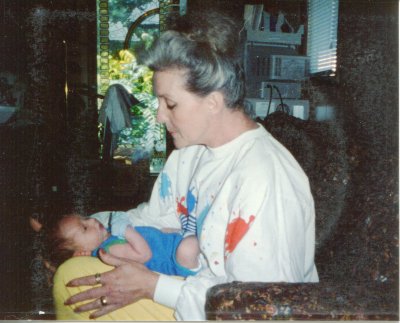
x=303, y=301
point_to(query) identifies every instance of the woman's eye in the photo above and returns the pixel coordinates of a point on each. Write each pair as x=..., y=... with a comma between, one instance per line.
x=171, y=106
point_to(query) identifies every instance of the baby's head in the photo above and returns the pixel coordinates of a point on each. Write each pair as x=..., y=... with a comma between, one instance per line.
x=75, y=235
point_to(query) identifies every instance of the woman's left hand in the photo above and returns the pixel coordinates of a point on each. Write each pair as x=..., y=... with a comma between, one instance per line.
x=128, y=282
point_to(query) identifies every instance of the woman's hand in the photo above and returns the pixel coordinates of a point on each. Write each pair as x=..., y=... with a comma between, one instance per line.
x=124, y=285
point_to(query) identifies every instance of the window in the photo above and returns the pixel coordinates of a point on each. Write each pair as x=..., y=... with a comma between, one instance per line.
x=322, y=36
x=130, y=23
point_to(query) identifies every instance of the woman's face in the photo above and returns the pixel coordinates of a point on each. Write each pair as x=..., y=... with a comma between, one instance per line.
x=185, y=115
x=84, y=233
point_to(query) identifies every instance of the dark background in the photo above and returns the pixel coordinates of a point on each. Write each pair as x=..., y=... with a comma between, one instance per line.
x=49, y=152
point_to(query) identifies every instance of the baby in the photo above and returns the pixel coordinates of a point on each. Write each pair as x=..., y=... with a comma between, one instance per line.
x=164, y=252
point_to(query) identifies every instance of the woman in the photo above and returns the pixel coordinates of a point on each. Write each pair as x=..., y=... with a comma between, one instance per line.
x=243, y=193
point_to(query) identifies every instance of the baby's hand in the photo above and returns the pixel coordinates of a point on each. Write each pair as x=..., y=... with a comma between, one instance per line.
x=119, y=224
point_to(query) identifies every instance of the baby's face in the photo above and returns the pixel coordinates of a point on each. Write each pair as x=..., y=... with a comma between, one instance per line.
x=85, y=233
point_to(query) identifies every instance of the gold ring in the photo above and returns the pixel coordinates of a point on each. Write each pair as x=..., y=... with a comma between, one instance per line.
x=97, y=278
x=103, y=300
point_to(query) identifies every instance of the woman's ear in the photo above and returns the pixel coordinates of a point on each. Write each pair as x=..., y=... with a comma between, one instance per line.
x=216, y=101
x=79, y=253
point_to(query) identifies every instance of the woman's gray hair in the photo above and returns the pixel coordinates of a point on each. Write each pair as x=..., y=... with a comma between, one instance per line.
x=207, y=46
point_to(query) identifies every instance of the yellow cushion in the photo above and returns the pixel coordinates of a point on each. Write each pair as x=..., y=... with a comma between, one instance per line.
x=143, y=310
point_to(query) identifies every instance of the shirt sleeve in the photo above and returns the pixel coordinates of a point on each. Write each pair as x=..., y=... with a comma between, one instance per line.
x=167, y=290
x=192, y=297
x=269, y=237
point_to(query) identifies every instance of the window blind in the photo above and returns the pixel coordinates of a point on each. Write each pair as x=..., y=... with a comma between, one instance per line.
x=322, y=35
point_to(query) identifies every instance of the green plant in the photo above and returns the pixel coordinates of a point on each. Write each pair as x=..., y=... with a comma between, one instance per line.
x=145, y=134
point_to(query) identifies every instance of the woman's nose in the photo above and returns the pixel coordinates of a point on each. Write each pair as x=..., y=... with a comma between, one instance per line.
x=161, y=116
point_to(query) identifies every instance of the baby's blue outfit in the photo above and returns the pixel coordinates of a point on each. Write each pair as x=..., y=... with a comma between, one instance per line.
x=163, y=248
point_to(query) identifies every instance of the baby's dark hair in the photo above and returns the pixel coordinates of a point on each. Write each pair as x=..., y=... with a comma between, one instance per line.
x=59, y=248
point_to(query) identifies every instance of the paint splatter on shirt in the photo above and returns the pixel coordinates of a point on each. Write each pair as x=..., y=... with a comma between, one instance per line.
x=237, y=228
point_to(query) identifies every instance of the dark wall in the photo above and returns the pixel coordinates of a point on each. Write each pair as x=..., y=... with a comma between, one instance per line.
x=44, y=154
x=368, y=73
x=364, y=246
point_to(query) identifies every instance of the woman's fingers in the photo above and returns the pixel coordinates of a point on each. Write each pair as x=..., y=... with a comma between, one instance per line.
x=92, y=293
x=84, y=281
x=105, y=310
x=92, y=280
x=89, y=306
x=128, y=282
x=97, y=305
x=110, y=303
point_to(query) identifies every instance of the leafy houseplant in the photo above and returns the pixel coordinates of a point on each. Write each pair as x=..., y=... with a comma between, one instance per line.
x=145, y=138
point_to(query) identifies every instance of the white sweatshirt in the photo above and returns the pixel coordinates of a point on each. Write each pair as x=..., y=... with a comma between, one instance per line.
x=254, y=212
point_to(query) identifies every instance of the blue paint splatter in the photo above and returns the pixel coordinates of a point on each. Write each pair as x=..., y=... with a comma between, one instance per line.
x=190, y=201
x=165, y=187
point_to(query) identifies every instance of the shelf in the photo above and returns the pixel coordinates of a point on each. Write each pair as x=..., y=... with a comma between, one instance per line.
x=271, y=37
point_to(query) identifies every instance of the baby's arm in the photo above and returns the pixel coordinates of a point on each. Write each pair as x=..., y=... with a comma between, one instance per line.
x=135, y=249
x=138, y=244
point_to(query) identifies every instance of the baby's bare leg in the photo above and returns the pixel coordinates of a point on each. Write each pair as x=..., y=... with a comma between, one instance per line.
x=188, y=252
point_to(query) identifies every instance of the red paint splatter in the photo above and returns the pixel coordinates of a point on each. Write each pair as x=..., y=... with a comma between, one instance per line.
x=180, y=208
x=235, y=232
